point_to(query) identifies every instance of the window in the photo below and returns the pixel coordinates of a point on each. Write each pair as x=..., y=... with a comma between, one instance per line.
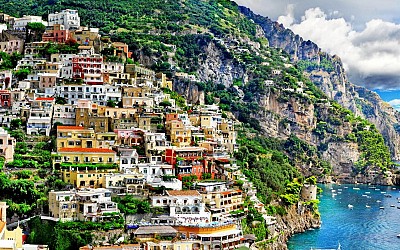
x=65, y=206
x=110, y=160
x=71, y=143
x=73, y=206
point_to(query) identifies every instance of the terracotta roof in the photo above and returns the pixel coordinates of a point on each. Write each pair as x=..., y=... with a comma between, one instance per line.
x=183, y=192
x=86, y=150
x=45, y=99
x=70, y=127
x=232, y=191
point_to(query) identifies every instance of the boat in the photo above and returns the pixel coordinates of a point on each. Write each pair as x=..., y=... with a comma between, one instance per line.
x=377, y=189
x=367, y=192
x=367, y=206
x=398, y=236
x=388, y=195
x=378, y=201
x=338, y=248
x=350, y=206
x=364, y=195
x=356, y=188
x=381, y=207
x=340, y=189
x=383, y=192
x=346, y=187
x=372, y=187
x=398, y=207
x=392, y=205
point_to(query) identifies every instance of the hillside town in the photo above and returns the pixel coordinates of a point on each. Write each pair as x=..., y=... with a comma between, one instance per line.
x=120, y=130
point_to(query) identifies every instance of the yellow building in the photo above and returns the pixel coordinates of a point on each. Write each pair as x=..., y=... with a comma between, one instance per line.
x=82, y=178
x=8, y=239
x=75, y=137
x=225, y=201
x=179, y=134
x=87, y=155
x=228, y=136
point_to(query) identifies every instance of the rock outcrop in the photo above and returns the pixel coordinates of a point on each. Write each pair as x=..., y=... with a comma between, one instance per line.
x=297, y=220
x=335, y=84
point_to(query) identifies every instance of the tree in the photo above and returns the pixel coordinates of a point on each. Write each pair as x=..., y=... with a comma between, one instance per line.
x=61, y=100
x=21, y=74
x=34, y=31
x=111, y=103
x=16, y=123
x=165, y=104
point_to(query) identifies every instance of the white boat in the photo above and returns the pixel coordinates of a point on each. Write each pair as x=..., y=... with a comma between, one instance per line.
x=398, y=236
x=383, y=192
x=364, y=195
x=367, y=192
x=392, y=205
x=338, y=248
x=377, y=189
x=356, y=188
x=367, y=206
x=350, y=206
x=378, y=201
x=381, y=207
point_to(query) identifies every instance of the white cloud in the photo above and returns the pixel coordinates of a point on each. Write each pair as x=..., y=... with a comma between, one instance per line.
x=371, y=55
x=395, y=104
x=363, y=33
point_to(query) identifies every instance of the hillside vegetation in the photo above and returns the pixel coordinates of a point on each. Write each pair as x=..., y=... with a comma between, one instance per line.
x=150, y=28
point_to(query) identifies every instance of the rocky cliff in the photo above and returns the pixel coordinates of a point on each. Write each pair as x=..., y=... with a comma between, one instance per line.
x=335, y=83
x=297, y=220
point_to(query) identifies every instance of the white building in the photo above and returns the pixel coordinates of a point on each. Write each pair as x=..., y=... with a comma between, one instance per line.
x=185, y=205
x=20, y=23
x=64, y=114
x=98, y=94
x=41, y=114
x=69, y=18
x=87, y=204
x=7, y=144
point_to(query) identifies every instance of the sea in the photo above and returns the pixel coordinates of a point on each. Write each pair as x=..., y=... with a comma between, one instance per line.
x=358, y=217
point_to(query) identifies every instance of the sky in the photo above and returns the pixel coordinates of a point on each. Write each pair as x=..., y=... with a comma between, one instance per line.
x=364, y=34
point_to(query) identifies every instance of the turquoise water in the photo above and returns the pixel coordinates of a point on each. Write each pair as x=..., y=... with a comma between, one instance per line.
x=358, y=228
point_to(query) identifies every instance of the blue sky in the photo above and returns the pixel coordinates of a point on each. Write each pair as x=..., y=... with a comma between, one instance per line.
x=365, y=34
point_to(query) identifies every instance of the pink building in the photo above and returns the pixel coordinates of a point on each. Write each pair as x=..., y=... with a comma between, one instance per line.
x=57, y=34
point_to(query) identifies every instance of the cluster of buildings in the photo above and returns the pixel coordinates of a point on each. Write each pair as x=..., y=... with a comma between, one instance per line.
x=119, y=132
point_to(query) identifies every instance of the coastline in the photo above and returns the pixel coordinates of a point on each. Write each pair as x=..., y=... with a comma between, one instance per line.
x=298, y=219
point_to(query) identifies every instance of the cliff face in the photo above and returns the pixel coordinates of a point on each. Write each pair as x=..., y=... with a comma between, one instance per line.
x=335, y=84
x=297, y=220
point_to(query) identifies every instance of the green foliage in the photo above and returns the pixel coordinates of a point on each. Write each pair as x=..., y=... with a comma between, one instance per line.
x=180, y=100
x=129, y=205
x=311, y=180
x=206, y=176
x=9, y=61
x=89, y=166
x=307, y=65
x=68, y=235
x=276, y=210
x=188, y=181
x=266, y=166
x=21, y=74
x=23, y=174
